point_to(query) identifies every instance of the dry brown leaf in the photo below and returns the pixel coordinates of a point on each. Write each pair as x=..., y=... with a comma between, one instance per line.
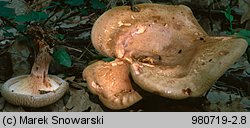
x=200, y=3
x=58, y=106
x=79, y=102
x=244, y=5
x=221, y=101
x=12, y=108
x=19, y=56
x=1, y=103
x=71, y=78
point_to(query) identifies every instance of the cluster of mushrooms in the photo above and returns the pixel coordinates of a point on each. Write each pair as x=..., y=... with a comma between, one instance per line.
x=162, y=47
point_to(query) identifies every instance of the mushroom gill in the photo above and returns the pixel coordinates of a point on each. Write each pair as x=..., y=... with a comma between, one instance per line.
x=37, y=89
x=168, y=51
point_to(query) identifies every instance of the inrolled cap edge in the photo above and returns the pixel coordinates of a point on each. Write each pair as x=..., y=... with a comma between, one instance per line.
x=33, y=100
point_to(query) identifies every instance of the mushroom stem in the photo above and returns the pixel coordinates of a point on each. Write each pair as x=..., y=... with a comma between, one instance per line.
x=40, y=67
x=39, y=72
x=38, y=81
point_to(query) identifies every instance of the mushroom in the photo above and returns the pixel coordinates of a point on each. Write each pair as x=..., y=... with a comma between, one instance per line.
x=37, y=89
x=110, y=81
x=168, y=51
x=189, y=78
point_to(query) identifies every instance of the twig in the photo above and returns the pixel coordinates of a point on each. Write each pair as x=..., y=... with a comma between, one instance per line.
x=11, y=24
x=69, y=16
x=38, y=3
x=71, y=48
x=86, y=49
x=50, y=16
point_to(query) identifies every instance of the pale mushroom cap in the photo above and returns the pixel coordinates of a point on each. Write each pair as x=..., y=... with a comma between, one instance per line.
x=116, y=28
x=38, y=100
x=110, y=81
x=170, y=53
x=212, y=59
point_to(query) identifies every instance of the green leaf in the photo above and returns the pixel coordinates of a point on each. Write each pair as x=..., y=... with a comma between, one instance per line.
x=3, y=3
x=74, y=2
x=108, y=59
x=84, y=12
x=229, y=17
x=96, y=4
x=59, y=36
x=32, y=16
x=23, y=18
x=228, y=14
x=7, y=27
x=6, y=34
x=39, y=16
x=7, y=12
x=62, y=57
x=21, y=28
x=245, y=34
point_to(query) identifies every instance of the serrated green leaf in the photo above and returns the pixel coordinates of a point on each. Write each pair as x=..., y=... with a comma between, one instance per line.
x=74, y=2
x=3, y=3
x=96, y=4
x=7, y=12
x=62, y=57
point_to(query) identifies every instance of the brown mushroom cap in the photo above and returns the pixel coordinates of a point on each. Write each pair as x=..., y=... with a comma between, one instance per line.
x=169, y=51
x=110, y=81
x=24, y=97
